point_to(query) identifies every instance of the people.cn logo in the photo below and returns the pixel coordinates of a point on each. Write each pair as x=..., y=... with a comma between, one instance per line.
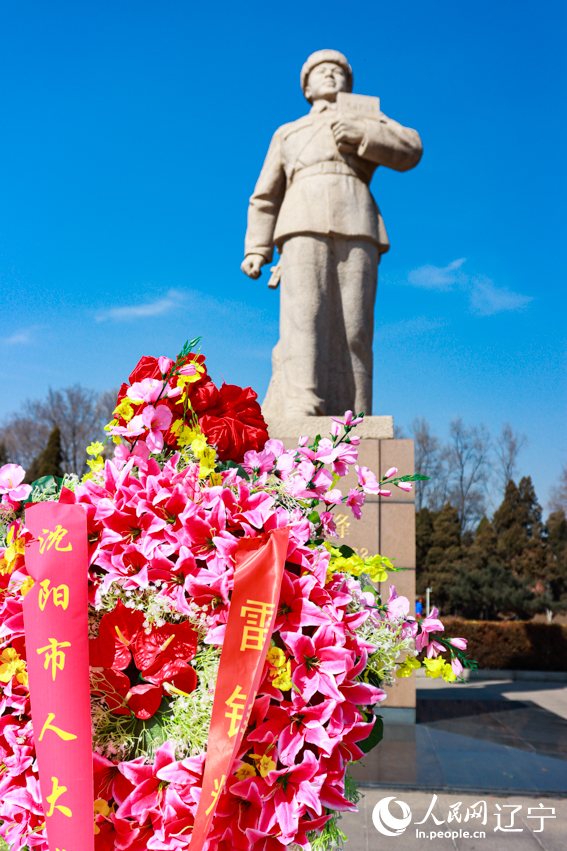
x=385, y=822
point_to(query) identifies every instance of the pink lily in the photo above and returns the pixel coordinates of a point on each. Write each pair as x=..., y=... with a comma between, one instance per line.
x=355, y=501
x=391, y=472
x=318, y=661
x=11, y=476
x=459, y=643
x=290, y=725
x=405, y=486
x=259, y=462
x=157, y=420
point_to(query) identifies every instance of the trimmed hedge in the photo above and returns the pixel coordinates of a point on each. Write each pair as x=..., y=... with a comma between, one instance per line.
x=512, y=645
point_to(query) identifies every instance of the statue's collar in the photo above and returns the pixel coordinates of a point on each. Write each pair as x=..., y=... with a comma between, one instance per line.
x=322, y=106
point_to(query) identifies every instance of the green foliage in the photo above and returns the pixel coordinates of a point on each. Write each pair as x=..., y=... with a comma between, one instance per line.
x=375, y=736
x=424, y=520
x=556, y=530
x=519, y=530
x=52, y=457
x=443, y=555
x=511, y=567
x=490, y=591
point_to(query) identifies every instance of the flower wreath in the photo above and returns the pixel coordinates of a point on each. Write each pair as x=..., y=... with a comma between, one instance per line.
x=193, y=472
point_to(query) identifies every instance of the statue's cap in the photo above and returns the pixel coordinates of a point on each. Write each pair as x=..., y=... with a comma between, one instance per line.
x=326, y=56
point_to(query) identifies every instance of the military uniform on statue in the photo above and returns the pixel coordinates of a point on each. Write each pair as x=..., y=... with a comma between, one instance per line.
x=312, y=201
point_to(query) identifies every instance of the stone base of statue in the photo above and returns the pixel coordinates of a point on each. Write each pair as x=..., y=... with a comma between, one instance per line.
x=387, y=525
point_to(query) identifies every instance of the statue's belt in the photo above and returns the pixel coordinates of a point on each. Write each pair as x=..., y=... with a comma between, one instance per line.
x=325, y=167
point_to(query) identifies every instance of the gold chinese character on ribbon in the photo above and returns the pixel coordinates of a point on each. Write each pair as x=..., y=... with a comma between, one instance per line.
x=255, y=629
x=56, y=537
x=54, y=656
x=215, y=793
x=236, y=702
x=343, y=524
x=67, y=737
x=54, y=797
x=60, y=595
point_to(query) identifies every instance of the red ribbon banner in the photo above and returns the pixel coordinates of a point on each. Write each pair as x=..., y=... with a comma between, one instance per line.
x=257, y=582
x=56, y=628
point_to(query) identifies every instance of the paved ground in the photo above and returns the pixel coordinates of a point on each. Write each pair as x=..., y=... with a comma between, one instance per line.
x=499, y=742
x=489, y=736
x=363, y=836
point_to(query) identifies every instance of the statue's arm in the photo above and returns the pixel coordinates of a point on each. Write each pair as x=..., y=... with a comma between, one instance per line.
x=391, y=144
x=265, y=203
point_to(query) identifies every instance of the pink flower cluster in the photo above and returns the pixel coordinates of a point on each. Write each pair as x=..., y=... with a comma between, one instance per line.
x=163, y=532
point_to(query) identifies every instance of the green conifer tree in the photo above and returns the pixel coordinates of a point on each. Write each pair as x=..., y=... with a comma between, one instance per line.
x=519, y=530
x=424, y=520
x=556, y=532
x=444, y=555
x=52, y=457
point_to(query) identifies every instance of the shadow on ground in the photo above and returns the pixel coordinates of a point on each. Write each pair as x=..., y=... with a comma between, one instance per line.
x=473, y=739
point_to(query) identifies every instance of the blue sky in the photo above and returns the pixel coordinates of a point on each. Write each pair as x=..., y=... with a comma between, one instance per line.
x=132, y=136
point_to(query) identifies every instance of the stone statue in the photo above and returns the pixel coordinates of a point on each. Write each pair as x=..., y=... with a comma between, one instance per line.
x=313, y=202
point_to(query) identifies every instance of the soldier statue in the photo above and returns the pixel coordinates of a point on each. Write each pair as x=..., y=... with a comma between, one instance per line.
x=313, y=203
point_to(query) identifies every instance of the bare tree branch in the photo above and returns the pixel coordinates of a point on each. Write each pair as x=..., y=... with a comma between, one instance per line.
x=80, y=415
x=558, y=493
x=429, y=461
x=509, y=444
x=468, y=459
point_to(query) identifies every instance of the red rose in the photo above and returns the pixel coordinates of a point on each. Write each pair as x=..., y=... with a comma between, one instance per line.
x=235, y=424
x=203, y=395
x=147, y=367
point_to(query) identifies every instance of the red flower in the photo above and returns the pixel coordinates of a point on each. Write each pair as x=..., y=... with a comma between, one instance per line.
x=161, y=656
x=235, y=424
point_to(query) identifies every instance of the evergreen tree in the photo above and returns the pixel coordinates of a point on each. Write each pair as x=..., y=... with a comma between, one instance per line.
x=519, y=529
x=490, y=592
x=3, y=455
x=52, y=457
x=556, y=531
x=444, y=555
x=424, y=520
x=33, y=470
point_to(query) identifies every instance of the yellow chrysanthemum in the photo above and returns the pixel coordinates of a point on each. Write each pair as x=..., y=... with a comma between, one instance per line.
x=16, y=547
x=124, y=410
x=101, y=807
x=245, y=770
x=12, y=666
x=26, y=586
x=282, y=680
x=264, y=764
x=276, y=657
